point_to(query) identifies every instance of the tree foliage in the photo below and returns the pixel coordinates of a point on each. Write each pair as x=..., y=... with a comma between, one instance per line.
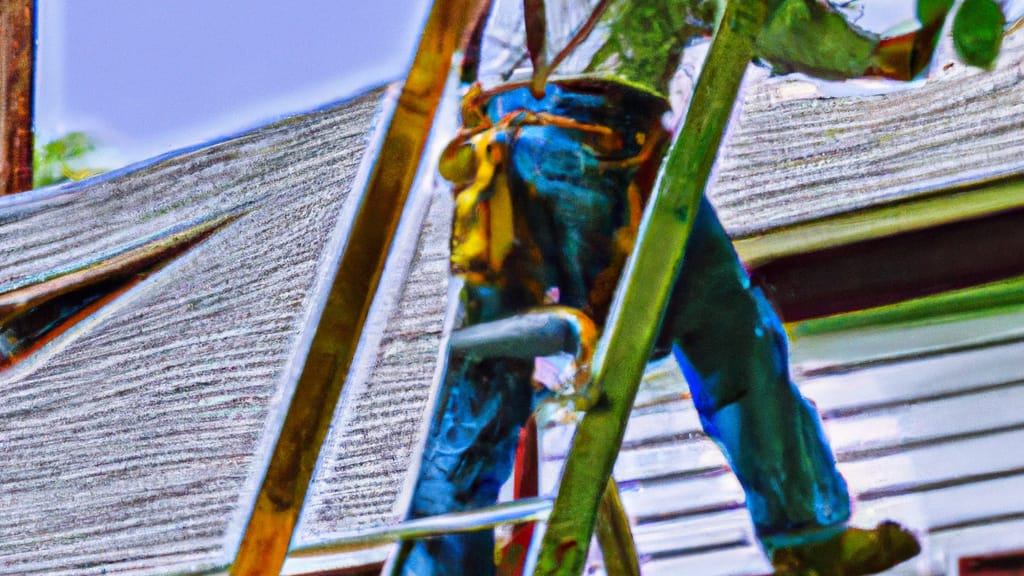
x=63, y=160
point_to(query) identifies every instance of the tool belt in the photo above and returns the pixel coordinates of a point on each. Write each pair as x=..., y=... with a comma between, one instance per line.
x=549, y=192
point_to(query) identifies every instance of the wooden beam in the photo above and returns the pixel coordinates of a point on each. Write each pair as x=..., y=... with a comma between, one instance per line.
x=17, y=42
x=339, y=329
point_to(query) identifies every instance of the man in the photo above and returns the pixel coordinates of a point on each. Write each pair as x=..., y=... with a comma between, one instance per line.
x=550, y=183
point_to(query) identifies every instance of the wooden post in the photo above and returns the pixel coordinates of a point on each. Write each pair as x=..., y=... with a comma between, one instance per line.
x=17, y=26
x=266, y=538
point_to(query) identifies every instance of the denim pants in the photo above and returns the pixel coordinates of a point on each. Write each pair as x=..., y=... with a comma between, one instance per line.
x=723, y=333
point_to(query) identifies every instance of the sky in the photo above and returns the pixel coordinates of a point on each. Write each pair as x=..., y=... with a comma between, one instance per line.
x=146, y=77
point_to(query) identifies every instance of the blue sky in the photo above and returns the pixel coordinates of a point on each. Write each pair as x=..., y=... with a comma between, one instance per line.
x=148, y=76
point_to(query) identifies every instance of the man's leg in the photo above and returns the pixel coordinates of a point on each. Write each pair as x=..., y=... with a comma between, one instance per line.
x=468, y=456
x=732, y=349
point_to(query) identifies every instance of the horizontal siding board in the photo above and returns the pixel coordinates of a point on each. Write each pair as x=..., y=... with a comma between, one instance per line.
x=939, y=458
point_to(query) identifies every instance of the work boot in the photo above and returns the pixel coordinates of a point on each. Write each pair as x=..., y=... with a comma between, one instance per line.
x=852, y=552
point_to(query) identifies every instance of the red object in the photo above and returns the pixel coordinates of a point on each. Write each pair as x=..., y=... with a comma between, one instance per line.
x=1009, y=564
x=524, y=485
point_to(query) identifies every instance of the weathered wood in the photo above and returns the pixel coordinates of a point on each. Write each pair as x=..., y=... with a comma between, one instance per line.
x=793, y=158
x=370, y=450
x=17, y=46
x=340, y=324
x=134, y=443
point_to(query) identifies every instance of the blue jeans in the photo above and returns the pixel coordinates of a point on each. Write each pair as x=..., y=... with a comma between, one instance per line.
x=570, y=197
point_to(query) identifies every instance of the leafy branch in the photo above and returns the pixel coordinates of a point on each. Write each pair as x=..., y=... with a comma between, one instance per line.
x=63, y=160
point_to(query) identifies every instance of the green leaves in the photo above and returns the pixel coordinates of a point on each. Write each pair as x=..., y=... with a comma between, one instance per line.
x=56, y=161
x=809, y=36
x=977, y=28
x=977, y=31
x=931, y=11
x=812, y=37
